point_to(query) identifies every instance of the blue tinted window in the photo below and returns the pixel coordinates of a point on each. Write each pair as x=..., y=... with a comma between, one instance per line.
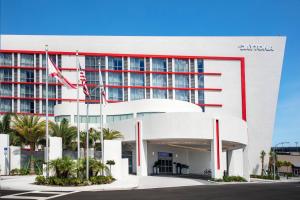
x=159, y=65
x=137, y=79
x=115, y=94
x=159, y=80
x=136, y=94
x=159, y=94
x=182, y=95
x=200, y=65
x=137, y=64
x=115, y=78
x=181, y=65
x=114, y=63
x=182, y=81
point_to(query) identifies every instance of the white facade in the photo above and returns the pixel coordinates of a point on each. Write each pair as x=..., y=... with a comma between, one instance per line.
x=241, y=87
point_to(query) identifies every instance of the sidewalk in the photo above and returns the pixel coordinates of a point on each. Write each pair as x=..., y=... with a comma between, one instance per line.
x=27, y=183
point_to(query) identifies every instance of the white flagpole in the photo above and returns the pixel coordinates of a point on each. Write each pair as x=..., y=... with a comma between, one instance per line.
x=47, y=114
x=101, y=113
x=78, y=124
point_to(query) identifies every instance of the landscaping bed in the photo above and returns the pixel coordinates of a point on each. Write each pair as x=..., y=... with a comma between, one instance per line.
x=230, y=179
x=73, y=181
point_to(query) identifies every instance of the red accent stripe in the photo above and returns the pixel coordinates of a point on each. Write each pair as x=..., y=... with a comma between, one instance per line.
x=116, y=86
x=139, y=145
x=26, y=113
x=218, y=144
x=120, y=54
x=243, y=90
x=116, y=71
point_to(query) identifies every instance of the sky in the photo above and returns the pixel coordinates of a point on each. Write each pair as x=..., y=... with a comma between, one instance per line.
x=174, y=18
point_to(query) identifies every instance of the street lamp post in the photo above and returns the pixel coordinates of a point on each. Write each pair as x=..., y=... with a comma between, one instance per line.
x=274, y=162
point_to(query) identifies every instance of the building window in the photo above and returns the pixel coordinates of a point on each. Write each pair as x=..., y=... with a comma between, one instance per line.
x=159, y=94
x=181, y=65
x=61, y=117
x=5, y=105
x=92, y=78
x=5, y=59
x=92, y=119
x=136, y=94
x=200, y=66
x=116, y=118
x=94, y=93
x=51, y=105
x=115, y=78
x=115, y=94
x=27, y=60
x=182, y=95
x=143, y=114
x=159, y=65
x=5, y=75
x=51, y=91
x=92, y=62
x=181, y=81
x=137, y=79
x=137, y=64
x=5, y=90
x=27, y=106
x=159, y=80
x=50, y=79
x=52, y=57
x=27, y=90
x=114, y=63
x=26, y=75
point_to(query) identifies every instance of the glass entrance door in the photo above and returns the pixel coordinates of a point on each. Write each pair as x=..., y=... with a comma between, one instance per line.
x=165, y=162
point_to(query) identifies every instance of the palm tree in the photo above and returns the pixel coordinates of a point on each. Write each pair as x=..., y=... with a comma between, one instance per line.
x=65, y=131
x=93, y=137
x=32, y=129
x=5, y=128
x=109, y=134
x=262, y=157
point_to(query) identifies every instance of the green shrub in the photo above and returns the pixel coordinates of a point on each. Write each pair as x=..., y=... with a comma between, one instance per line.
x=101, y=179
x=63, y=167
x=24, y=171
x=14, y=172
x=268, y=177
x=40, y=180
x=233, y=179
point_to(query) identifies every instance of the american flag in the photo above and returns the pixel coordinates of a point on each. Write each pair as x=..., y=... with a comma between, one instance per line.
x=82, y=78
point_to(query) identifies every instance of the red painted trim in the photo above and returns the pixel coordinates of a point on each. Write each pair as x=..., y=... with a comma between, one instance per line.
x=115, y=71
x=139, y=143
x=218, y=144
x=25, y=113
x=120, y=54
x=243, y=90
x=29, y=83
x=116, y=86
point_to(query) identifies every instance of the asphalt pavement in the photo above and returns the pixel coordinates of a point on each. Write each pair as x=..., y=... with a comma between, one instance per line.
x=265, y=191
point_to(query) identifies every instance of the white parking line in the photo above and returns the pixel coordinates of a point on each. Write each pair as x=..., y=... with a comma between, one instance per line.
x=32, y=196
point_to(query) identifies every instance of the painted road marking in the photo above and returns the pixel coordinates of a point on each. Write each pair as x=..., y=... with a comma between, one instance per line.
x=37, y=195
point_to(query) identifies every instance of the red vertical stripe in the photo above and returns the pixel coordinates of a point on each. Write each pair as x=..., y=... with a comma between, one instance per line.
x=139, y=144
x=218, y=144
x=243, y=88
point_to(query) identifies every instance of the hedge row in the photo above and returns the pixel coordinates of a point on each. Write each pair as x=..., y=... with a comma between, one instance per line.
x=52, y=180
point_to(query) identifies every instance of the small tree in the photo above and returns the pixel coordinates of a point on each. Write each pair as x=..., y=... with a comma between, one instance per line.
x=262, y=157
x=110, y=163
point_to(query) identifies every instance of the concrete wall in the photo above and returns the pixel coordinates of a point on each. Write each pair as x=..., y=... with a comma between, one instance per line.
x=15, y=157
x=4, y=154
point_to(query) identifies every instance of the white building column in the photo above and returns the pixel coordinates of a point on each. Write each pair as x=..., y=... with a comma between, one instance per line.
x=141, y=150
x=55, y=148
x=216, y=151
